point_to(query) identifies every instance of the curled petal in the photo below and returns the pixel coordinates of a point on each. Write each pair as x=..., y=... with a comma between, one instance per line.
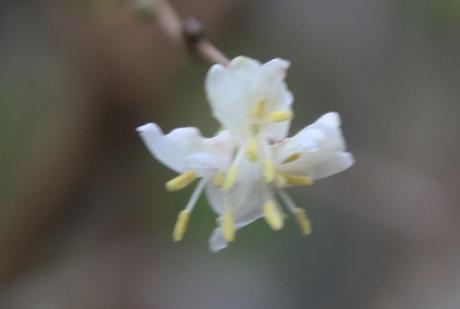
x=322, y=135
x=319, y=148
x=217, y=241
x=185, y=149
x=317, y=166
x=335, y=163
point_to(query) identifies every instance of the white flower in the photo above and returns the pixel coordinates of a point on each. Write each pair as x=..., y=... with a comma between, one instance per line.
x=315, y=152
x=246, y=167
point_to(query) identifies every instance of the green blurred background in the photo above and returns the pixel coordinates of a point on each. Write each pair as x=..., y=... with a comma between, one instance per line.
x=84, y=218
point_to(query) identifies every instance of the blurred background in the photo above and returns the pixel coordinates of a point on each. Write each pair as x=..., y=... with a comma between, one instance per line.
x=85, y=221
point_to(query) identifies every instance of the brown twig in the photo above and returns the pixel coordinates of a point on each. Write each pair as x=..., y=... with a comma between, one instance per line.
x=189, y=33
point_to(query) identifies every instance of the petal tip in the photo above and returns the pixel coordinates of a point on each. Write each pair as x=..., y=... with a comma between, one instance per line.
x=243, y=62
x=349, y=158
x=280, y=63
x=217, y=242
x=331, y=119
x=148, y=127
x=216, y=68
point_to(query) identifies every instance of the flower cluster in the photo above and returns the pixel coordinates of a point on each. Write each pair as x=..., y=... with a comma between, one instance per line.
x=246, y=167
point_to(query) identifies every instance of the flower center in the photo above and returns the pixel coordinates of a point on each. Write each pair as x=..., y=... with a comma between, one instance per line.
x=257, y=146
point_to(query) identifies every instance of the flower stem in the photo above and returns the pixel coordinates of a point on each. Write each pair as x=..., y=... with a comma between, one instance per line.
x=189, y=33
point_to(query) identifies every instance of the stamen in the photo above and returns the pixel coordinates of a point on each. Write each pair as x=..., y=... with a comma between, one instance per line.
x=251, y=149
x=196, y=194
x=218, y=179
x=228, y=228
x=181, y=225
x=230, y=178
x=181, y=181
x=292, y=157
x=259, y=110
x=269, y=170
x=300, y=215
x=280, y=116
x=298, y=180
x=184, y=216
x=273, y=216
x=303, y=221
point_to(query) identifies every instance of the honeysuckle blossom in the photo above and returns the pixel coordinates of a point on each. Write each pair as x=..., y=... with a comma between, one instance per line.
x=246, y=167
x=315, y=152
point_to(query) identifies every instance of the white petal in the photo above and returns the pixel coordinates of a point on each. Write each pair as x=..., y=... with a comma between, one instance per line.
x=321, y=146
x=246, y=202
x=317, y=166
x=217, y=241
x=215, y=198
x=245, y=199
x=277, y=96
x=275, y=69
x=337, y=163
x=184, y=149
x=234, y=90
x=323, y=135
x=278, y=131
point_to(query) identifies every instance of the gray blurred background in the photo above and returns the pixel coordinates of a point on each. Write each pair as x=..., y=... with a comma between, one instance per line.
x=84, y=218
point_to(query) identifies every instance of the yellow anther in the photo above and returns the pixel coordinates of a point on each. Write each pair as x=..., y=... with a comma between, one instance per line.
x=269, y=170
x=303, y=221
x=280, y=116
x=292, y=157
x=181, y=181
x=230, y=177
x=181, y=225
x=218, y=179
x=251, y=149
x=297, y=180
x=228, y=227
x=273, y=216
x=259, y=109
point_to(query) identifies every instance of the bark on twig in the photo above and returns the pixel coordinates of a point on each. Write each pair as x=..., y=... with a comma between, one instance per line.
x=189, y=33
